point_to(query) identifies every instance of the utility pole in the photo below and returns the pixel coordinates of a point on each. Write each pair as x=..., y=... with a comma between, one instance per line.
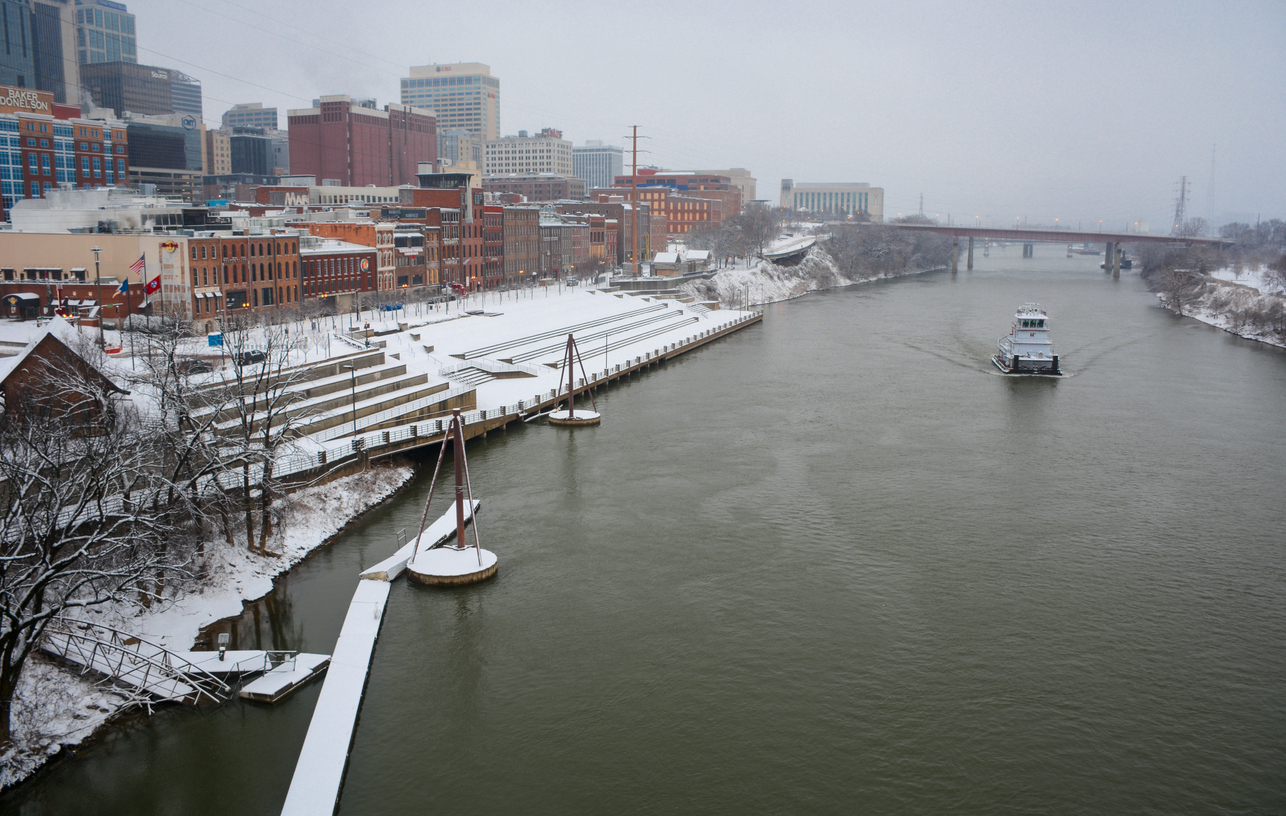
x=921, y=205
x=98, y=284
x=634, y=199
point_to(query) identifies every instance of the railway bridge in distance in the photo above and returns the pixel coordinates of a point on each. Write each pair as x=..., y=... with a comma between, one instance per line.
x=1027, y=237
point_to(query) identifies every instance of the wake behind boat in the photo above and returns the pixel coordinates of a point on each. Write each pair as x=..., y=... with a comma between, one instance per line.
x=1027, y=348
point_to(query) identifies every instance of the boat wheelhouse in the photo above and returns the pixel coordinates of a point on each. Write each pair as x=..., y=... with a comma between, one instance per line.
x=1027, y=348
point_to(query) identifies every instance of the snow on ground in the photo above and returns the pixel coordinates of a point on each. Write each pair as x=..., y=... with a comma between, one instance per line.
x=1256, y=277
x=57, y=707
x=767, y=282
x=1243, y=301
x=69, y=707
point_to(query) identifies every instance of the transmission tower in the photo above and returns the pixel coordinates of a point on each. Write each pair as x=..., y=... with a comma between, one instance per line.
x=1180, y=205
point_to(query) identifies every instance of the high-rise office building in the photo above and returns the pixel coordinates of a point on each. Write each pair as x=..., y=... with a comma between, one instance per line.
x=185, y=94
x=123, y=86
x=104, y=32
x=598, y=164
x=252, y=114
x=37, y=47
x=18, y=57
x=462, y=95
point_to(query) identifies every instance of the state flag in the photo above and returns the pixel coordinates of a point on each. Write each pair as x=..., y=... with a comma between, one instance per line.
x=153, y=286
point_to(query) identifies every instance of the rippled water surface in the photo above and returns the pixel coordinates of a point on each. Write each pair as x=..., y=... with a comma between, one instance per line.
x=835, y=563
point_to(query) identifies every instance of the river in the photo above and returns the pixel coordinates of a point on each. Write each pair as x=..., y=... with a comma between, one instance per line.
x=834, y=563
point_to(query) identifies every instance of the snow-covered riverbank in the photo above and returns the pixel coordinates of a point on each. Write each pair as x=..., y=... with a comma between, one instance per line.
x=767, y=282
x=1247, y=302
x=56, y=707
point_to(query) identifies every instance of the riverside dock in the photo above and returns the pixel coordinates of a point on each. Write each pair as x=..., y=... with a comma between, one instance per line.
x=319, y=772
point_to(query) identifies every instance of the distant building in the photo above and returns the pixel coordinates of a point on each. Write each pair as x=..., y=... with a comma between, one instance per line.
x=693, y=185
x=354, y=145
x=537, y=187
x=740, y=177
x=45, y=146
x=597, y=164
x=185, y=94
x=38, y=40
x=546, y=152
x=462, y=95
x=104, y=33
x=145, y=89
x=167, y=152
x=833, y=199
x=251, y=114
x=456, y=146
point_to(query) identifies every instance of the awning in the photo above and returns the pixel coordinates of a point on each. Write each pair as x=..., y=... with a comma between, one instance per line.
x=25, y=297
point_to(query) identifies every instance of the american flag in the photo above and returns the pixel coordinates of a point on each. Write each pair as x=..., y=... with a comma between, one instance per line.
x=138, y=265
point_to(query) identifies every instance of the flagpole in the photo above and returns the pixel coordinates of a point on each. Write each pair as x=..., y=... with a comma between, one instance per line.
x=129, y=317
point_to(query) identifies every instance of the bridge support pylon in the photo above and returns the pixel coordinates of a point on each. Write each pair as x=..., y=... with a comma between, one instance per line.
x=1029, y=250
x=955, y=254
x=1116, y=262
x=969, y=264
x=1108, y=252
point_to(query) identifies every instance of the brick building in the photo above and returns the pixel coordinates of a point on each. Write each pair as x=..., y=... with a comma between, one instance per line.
x=235, y=272
x=342, y=140
x=542, y=187
x=520, y=226
x=44, y=145
x=693, y=185
x=378, y=235
x=335, y=273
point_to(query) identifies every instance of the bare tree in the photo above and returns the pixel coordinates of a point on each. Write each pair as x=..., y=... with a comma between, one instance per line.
x=265, y=413
x=85, y=520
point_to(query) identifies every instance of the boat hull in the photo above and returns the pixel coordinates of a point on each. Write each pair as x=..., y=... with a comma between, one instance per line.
x=1018, y=365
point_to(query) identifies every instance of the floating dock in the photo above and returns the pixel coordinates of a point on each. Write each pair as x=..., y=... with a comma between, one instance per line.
x=283, y=680
x=319, y=772
x=314, y=789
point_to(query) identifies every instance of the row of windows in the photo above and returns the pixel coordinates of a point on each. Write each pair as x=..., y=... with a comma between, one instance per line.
x=257, y=272
x=109, y=20
x=239, y=251
x=447, y=81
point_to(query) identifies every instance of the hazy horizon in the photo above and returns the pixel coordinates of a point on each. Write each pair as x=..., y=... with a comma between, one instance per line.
x=1084, y=113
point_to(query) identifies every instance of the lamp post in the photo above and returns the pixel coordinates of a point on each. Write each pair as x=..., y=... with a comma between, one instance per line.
x=352, y=370
x=98, y=284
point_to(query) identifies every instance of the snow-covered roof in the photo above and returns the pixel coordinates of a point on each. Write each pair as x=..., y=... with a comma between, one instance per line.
x=666, y=257
x=697, y=255
x=59, y=328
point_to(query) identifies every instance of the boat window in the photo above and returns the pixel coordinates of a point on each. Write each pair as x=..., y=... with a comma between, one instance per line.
x=1040, y=324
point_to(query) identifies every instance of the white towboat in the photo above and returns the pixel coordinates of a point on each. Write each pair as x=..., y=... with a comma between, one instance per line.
x=1027, y=349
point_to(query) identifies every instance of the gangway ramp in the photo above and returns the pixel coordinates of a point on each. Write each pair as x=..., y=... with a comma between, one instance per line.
x=132, y=663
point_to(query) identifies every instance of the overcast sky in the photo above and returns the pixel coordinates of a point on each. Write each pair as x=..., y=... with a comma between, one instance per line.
x=993, y=111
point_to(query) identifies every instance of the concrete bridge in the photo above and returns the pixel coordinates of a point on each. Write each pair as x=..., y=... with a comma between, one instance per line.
x=1112, y=240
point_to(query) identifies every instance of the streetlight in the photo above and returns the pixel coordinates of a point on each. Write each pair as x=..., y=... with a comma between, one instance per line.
x=98, y=283
x=352, y=369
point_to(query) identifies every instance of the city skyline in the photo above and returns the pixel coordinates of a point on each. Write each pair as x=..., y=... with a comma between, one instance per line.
x=1081, y=114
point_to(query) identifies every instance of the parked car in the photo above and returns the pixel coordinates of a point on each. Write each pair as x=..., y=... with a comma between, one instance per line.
x=194, y=366
x=573, y=281
x=250, y=357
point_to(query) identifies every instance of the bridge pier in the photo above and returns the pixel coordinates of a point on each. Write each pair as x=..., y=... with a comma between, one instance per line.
x=955, y=254
x=1029, y=250
x=1116, y=262
x=969, y=265
x=1108, y=252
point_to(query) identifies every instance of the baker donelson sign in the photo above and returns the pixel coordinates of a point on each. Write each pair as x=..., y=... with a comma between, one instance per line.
x=22, y=99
